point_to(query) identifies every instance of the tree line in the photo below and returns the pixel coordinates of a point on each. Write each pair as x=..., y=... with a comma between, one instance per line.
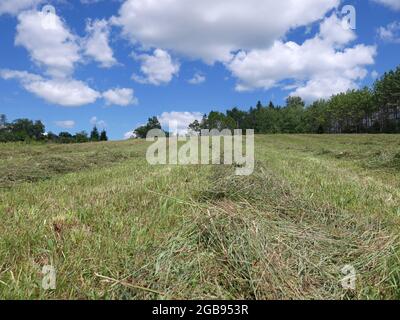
x=367, y=110
x=28, y=131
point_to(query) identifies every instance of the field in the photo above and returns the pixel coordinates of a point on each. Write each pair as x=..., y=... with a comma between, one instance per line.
x=115, y=227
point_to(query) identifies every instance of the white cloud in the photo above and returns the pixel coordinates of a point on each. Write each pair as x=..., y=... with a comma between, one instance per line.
x=211, y=30
x=90, y=1
x=393, y=4
x=14, y=7
x=157, y=69
x=54, y=47
x=390, y=33
x=98, y=123
x=178, y=122
x=323, y=87
x=120, y=97
x=68, y=92
x=129, y=135
x=319, y=67
x=64, y=92
x=49, y=42
x=374, y=74
x=198, y=78
x=24, y=76
x=93, y=120
x=65, y=124
x=96, y=43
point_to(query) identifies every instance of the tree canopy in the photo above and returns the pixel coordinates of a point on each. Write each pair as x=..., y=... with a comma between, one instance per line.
x=366, y=110
x=28, y=131
x=152, y=123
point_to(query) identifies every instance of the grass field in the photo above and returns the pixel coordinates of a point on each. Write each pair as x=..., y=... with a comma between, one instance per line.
x=115, y=227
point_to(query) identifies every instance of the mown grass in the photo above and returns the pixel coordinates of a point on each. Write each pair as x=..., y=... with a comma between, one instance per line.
x=21, y=162
x=116, y=228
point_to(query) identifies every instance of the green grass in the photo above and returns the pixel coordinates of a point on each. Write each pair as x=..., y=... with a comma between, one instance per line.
x=116, y=228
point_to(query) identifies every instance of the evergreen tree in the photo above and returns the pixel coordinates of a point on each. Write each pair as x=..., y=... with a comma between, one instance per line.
x=94, y=135
x=238, y=116
x=316, y=117
x=3, y=121
x=103, y=136
x=204, y=123
x=387, y=98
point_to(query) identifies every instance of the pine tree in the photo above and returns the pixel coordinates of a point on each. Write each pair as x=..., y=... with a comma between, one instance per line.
x=94, y=135
x=103, y=136
x=3, y=120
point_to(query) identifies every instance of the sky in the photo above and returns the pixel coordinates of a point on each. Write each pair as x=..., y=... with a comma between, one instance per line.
x=115, y=63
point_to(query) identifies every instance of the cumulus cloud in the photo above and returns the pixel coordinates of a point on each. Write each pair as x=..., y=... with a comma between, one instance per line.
x=65, y=124
x=90, y=1
x=48, y=41
x=120, y=97
x=65, y=92
x=157, y=69
x=98, y=123
x=198, y=78
x=178, y=122
x=318, y=68
x=129, y=135
x=96, y=43
x=68, y=92
x=390, y=33
x=14, y=7
x=374, y=74
x=393, y=4
x=245, y=35
x=211, y=30
x=323, y=87
x=54, y=48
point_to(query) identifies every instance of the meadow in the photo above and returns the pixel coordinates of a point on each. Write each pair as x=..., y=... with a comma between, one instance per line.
x=115, y=227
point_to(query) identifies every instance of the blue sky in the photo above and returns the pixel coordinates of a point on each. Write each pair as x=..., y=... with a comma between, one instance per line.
x=116, y=63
